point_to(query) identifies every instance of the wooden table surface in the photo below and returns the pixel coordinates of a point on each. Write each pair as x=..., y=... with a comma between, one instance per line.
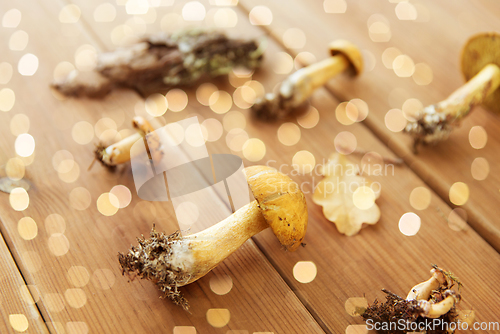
x=60, y=272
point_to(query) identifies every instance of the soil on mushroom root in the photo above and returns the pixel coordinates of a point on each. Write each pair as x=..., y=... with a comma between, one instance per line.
x=147, y=261
x=400, y=316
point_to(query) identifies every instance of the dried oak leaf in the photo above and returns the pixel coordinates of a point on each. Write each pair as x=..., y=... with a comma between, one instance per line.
x=347, y=198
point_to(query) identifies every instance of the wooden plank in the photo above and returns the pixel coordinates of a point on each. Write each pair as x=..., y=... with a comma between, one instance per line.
x=437, y=42
x=380, y=256
x=18, y=309
x=73, y=258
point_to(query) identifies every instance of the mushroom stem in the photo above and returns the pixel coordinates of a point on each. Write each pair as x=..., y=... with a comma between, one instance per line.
x=435, y=310
x=119, y=152
x=296, y=89
x=299, y=86
x=435, y=122
x=472, y=93
x=199, y=253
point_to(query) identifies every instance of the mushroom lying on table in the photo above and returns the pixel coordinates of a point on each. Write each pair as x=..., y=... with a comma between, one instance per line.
x=296, y=89
x=173, y=261
x=119, y=153
x=480, y=66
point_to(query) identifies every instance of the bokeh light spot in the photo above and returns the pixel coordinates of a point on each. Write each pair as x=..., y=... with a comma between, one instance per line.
x=58, y=244
x=70, y=14
x=409, y=224
x=303, y=162
x=18, y=322
x=108, y=204
x=79, y=198
x=7, y=99
x=18, y=40
x=260, y=16
x=19, y=199
x=363, y=198
x=11, y=18
x=395, y=120
x=459, y=193
x=221, y=284
x=27, y=228
x=78, y=276
x=478, y=137
x=345, y=142
x=282, y=63
x=305, y=271
x=28, y=64
x=218, y=317
x=254, y=149
x=480, y=168
x=289, y=134
x=76, y=298
x=356, y=306
x=193, y=11
x=177, y=99
x=420, y=198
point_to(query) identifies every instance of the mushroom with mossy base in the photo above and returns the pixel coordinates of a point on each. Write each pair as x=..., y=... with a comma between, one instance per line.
x=173, y=261
x=296, y=89
x=481, y=67
x=426, y=301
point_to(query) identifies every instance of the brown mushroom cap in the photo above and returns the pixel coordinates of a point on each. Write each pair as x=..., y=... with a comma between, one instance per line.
x=479, y=51
x=282, y=203
x=350, y=51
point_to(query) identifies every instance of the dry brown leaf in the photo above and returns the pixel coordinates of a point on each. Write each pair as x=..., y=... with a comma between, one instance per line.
x=347, y=198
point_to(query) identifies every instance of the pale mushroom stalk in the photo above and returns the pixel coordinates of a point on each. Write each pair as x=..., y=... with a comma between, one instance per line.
x=299, y=86
x=480, y=66
x=119, y=153
x=436, y=310
x=422, y=291
x=174, y=261
x=295, y=90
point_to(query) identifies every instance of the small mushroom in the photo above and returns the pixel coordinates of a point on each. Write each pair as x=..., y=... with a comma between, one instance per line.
x=480, y=66
x=296, y=89
x=119, y=153
x=173, y=261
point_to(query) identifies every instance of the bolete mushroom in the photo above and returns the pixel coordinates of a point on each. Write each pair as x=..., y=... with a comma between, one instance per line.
x=119, y=153
x=173, y=261
x=296, y=89
x=480, y=67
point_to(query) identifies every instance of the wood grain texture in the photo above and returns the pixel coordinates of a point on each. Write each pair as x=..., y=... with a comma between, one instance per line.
x=380, y=256
x=98, y=299
x=436, y=42
x=17, y=300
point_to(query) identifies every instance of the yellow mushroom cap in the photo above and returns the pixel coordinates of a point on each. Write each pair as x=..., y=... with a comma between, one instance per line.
x=282, y=204
x=350, y=51
x=479, y=51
